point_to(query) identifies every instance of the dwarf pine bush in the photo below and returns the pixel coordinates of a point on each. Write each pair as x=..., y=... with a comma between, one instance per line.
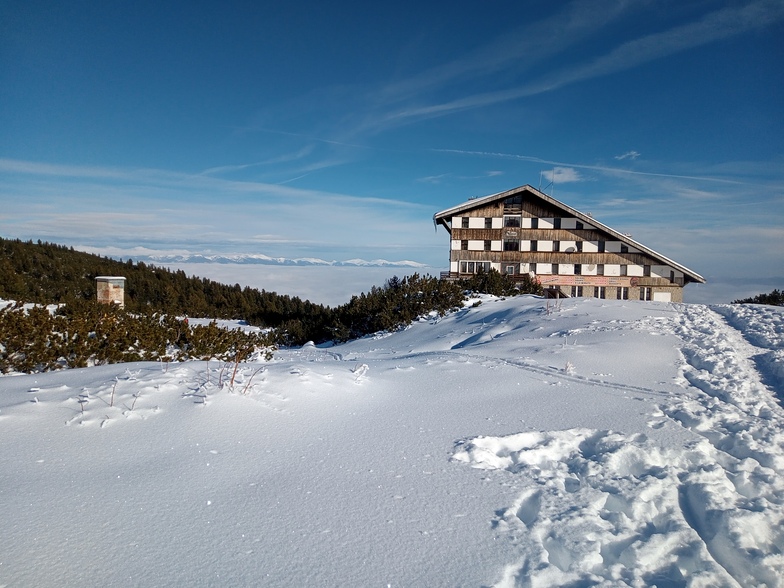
x=775, y=298
x=80, y=334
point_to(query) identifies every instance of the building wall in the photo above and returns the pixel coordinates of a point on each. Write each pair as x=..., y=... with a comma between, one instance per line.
x=564, y=253
x=110, y=290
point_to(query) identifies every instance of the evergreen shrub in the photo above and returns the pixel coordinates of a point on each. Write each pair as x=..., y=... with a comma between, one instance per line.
x=80, y=334
x=775, y=298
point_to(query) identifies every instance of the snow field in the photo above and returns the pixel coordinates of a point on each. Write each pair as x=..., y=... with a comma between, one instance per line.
x=609, y=444
x=607, y=507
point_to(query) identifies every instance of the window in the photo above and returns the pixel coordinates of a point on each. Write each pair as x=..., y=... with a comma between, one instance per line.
x=601, y=246
x=579, y=225
x=600, y=293
x=623, y=293
x=511, y=221
x=488, y=223
x=487, y=245
x=578, y=268
x=556, y=223
x=554, y=269
x=511, y=244
x=464, y=244
x=464, y=222
x=534, y=223
x=599, y=269
x=646, y=271
x=624, y=248
x=534, y=245
x=513, y=204
x=579, y=246
x=645, y=293
x=473, y=267
x=577, y=291
x=624, y=269
x=510, y=270
x=556, y=245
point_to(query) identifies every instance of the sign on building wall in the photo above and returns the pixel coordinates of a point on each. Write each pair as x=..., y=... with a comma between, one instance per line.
x=567, y=280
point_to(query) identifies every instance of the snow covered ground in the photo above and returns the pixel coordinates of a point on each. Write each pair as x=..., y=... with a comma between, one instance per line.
x=596, y=443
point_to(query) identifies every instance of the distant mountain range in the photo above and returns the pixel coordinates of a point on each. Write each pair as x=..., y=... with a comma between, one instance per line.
x=260, y=259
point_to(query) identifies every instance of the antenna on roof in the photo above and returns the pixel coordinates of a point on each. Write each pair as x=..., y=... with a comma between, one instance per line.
x=552, y=181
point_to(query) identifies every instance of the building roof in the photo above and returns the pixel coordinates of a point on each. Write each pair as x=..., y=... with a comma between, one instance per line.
x=445, y=216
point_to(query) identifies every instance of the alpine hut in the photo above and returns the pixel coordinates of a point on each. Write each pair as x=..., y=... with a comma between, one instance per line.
x=526, y=232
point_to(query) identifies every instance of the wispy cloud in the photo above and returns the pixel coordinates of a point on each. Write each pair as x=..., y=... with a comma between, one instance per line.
x=521, y=60
x=440, y=178
x=95, y=181
x=52, y=169
x=284, y=158
x=294, y=179
x=437, y=179
x=599, y=168
x=721, y=24
x=717, y=25
x=516, y=50
x=308, y=137
x=696, y=194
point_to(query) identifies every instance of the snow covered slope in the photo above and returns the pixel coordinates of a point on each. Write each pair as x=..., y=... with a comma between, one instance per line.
x=595, y=443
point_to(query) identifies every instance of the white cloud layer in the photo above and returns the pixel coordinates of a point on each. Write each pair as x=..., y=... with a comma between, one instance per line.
x=153, y=208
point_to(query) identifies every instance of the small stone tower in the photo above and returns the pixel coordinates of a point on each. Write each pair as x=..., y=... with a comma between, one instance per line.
x=111, y=290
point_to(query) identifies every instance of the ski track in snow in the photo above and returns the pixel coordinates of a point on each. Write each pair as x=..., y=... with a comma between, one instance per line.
x=604, y=508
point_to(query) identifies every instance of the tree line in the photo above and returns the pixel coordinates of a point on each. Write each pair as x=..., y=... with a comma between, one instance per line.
x=46, y=273
x=775, y=298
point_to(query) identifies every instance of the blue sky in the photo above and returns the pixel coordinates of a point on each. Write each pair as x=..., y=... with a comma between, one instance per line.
x=336, y=130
